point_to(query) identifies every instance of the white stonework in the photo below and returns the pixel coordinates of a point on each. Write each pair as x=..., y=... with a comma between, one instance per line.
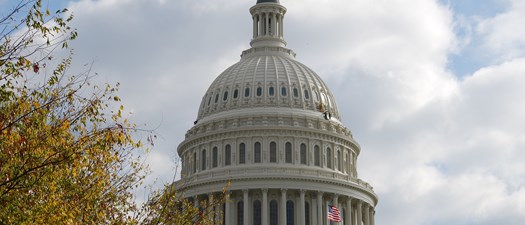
x=270, y=126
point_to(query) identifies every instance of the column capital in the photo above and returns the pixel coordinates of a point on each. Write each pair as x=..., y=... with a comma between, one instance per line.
x=264, y=190
x=283, y=190
x=244, y=190
x=302, y=191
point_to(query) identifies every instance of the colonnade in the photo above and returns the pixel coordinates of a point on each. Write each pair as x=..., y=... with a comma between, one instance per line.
x=283, y=207
x=268, y=24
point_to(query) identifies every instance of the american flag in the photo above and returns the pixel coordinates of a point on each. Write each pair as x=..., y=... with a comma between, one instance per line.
x=334, y=214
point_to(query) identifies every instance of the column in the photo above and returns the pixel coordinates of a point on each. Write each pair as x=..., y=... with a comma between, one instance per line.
x=274, y=27
x=260, y=24
x=367, y=214
x=281, y=27
x=319, y=208
x=359, y=212
x=301, y=207
x=372, y=216
x=265, y=215
x=245, y=204
x=348, y=211
x=282, y=213
x=335, y=201
x=254, y=17
x=267, y=20
x=228, y=210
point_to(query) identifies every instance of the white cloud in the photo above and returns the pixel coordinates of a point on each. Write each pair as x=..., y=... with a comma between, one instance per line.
x=437, y=149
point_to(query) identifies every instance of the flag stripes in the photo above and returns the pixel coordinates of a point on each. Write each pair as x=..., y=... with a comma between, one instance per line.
x=334, y=214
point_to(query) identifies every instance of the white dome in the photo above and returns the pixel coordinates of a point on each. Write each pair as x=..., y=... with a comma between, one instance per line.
x=267, y=79
x=268, y=128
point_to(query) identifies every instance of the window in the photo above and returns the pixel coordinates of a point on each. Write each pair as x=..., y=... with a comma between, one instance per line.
x=203, y=158
x=236, y=93
x=215, y=156
x=329, y=158
x=274, y=213
x=257, y=152
x=209, y=100
x=242, y=153
x=339, y=161
x=271, y=91
x=225, y=97
x=347, y=163
x=307, y=213
x=283, y=91
x=317, y=162
x=273, y=152
x=295, y=92
x=288, y=152
x=259, y=91
x=303, y=154
x=228, y=156
x=194, y=162
x=289, y=213
x=247, y=92
x=257, y=214
x=306, y=94
x=216, y=98
x=240, y=213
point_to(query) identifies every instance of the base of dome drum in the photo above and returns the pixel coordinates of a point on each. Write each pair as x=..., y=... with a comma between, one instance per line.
x=267, y=206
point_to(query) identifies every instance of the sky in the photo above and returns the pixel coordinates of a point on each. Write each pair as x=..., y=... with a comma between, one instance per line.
x=433, y=90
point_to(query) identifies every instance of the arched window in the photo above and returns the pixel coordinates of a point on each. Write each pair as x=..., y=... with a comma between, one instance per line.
x=274, y=213
x=209, y=100
x=228, y=155
x=273, y=152
x=240, y=213
x=347, y=163
x=283, y=91
x=288, y=152
x=225, y=97
x=259, y=91
x=203, y=158
x=329, y=158
x=306, y=94
x=317, y=154
x=257, y=152
x=194, y=162
x=271, y=91
x=216, y=97
x=303, y=153
x=215, y=156
x=339, y=161
x=295, y=92
x=257, y=219
x=242, y=153
x=246, y=92
x=307, y=213
x=289, y=213
x=236, y=93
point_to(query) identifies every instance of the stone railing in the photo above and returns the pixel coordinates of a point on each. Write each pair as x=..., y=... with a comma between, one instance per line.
x=273, y=172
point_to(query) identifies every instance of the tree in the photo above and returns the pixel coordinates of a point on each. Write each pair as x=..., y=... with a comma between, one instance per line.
x=67, y=153
x=66, y=156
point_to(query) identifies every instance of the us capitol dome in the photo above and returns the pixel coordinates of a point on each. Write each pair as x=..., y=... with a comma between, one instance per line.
x=270, y=128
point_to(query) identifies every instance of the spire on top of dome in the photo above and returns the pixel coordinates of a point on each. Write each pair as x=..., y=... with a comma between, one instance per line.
x=272, y=1
x=268, y=26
